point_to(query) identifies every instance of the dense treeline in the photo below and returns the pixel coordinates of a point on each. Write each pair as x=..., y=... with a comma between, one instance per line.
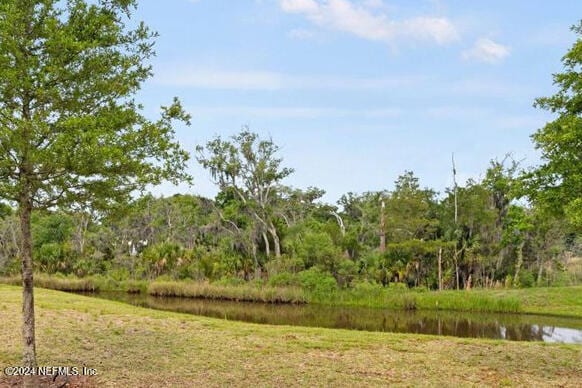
x=256, y=228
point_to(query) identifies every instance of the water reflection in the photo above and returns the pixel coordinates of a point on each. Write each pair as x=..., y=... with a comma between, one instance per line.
x=515, y=327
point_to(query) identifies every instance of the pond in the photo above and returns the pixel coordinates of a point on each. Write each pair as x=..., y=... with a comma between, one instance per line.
x=515, y=327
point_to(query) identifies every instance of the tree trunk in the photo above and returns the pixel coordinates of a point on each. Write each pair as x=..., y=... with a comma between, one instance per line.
x=518, y=264
x=440, y=269
x=457, y=268
x=276, y=241
x=82, y=221
x=256, y=261
x=267, y=247
x=540, y=270
x=500, y=258
x=382, y=229
x=29, y=355
x=277, y=244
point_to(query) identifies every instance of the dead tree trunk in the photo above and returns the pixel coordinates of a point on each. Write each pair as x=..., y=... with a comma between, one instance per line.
x=456, y=255
x=382, y=229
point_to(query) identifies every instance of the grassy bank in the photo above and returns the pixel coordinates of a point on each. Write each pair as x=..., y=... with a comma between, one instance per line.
x=559, y=301
x=74, y=284
x=245, y=292
x=130, y=346
x=410, y=299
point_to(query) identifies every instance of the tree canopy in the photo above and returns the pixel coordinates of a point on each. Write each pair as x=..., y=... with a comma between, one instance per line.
x=557, y=183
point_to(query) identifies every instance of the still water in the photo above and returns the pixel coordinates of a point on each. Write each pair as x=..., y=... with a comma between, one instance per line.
x=514, y=327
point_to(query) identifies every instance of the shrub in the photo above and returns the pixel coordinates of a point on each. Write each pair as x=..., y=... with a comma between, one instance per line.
x=320, y=284
x=526, y=279
x=283, y=279
x=398, y=286
x=161, y=258
x=119, y=274
x=91, y=266
x=55, y=257
x=285, y=264
x=508, y=281
x=346, y=272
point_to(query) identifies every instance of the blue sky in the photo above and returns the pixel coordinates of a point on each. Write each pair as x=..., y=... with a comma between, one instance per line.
x=358, y=91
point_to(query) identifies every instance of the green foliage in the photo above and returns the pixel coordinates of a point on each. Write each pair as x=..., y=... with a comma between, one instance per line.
x=526, y=279
x=557, y=183
x=87, y=266
x=346, y=272
x=67, y=106
x=283, y=279
x=409, y=210
x=158, y=258
x=51, y=228
x=316, y=248
x=366, y=290
x=10, y=266
x=56, y=257
x=119, y=274
x=517, y=225
x=320, y=284
x=248, y=173
x=283, y=264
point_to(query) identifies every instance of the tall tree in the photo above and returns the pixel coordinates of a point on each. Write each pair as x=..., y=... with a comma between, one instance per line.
x=410, y=210
x=557, y=183
x=70, y=129
x=249, y=167
x=501, y=181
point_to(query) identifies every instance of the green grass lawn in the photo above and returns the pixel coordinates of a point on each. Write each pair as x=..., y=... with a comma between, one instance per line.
x=131, y=346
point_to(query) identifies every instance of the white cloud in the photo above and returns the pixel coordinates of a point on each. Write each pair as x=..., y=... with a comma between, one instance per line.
x=265, y=80
x=299, y=6
x=486, y=50
x=366, y=21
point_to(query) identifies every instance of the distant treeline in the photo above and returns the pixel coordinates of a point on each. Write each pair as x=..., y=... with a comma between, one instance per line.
x=256, y=228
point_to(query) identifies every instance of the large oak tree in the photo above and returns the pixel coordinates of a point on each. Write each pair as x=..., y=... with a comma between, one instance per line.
x=248, y=167
x=71, y=132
